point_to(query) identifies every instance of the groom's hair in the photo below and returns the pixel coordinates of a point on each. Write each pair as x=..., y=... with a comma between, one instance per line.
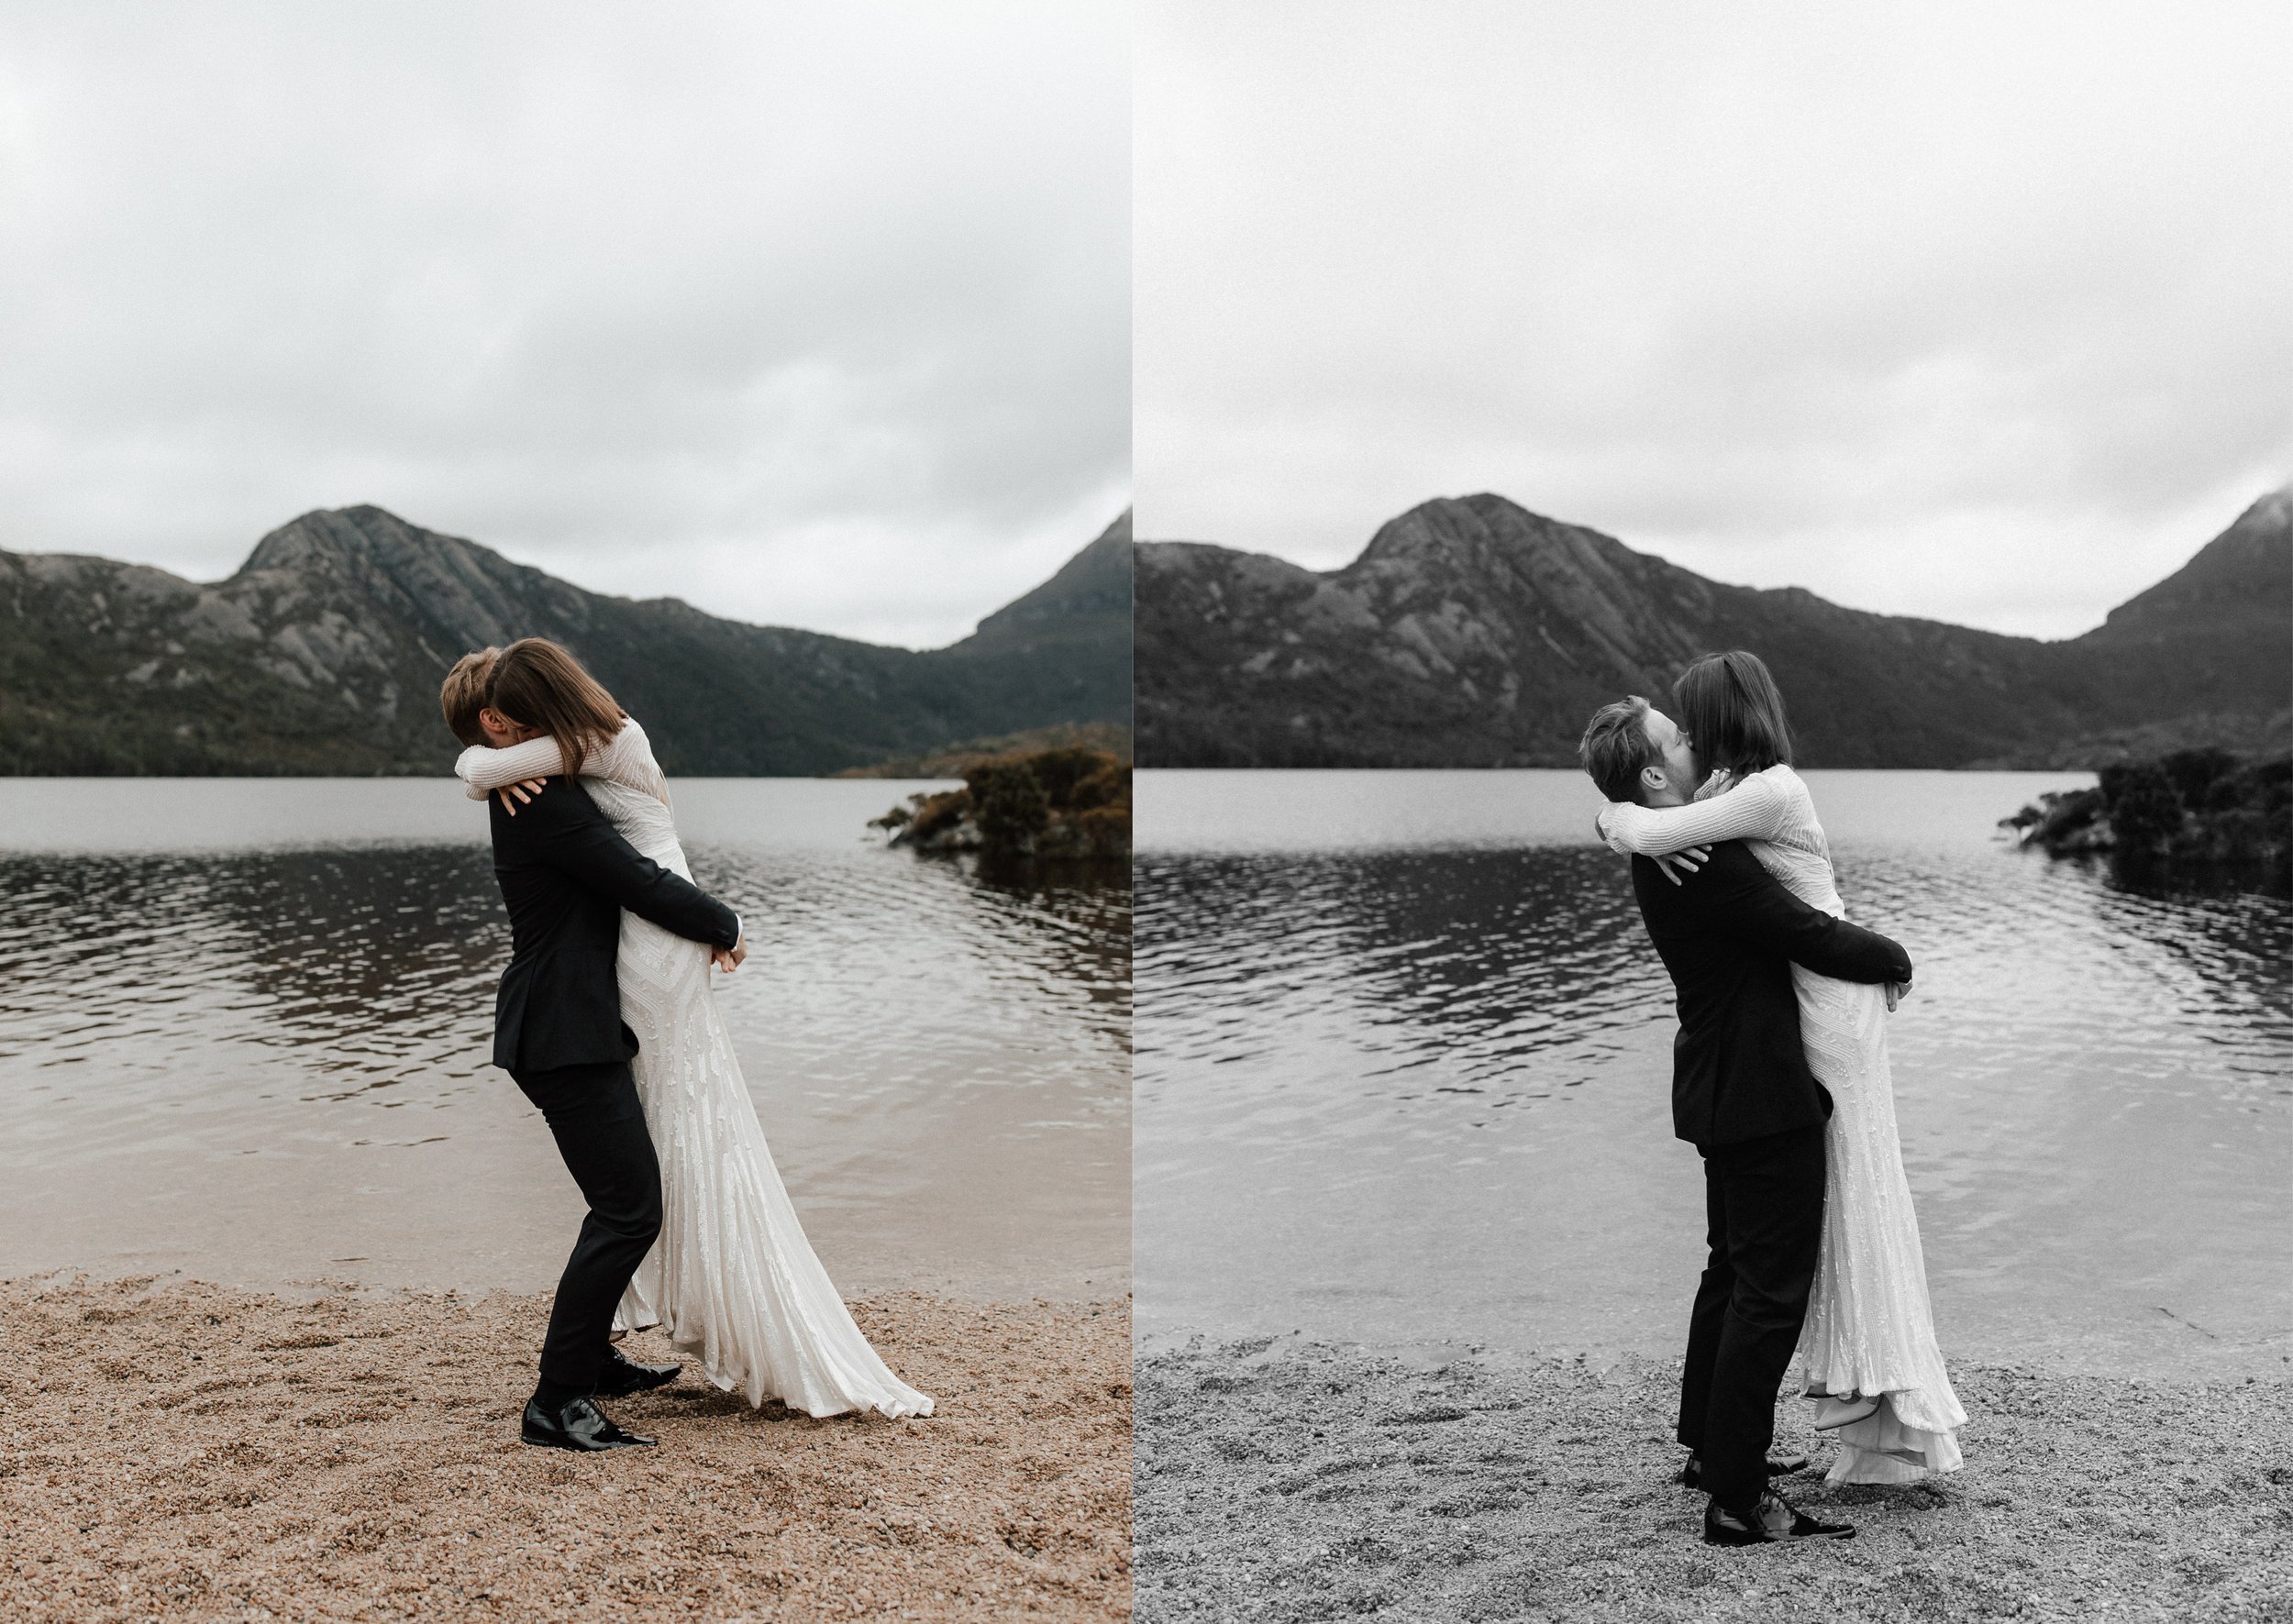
x=1616, y=745
x=463, y=694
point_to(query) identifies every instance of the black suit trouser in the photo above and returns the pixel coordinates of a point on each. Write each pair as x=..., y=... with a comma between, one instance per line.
x=1764, y=1224
x=599, y=1123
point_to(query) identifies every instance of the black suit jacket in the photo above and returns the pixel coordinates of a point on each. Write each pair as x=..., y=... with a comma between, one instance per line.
x=567, y=874
x=1729, y=935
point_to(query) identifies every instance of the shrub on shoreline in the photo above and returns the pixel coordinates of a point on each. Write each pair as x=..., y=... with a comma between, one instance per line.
x=2202, y=814
x=1065, y=803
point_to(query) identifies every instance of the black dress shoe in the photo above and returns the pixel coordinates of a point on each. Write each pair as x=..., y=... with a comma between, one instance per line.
x=579, y=1425
x=1775, y=1522
x=623, y=1375
x=1692, y=1475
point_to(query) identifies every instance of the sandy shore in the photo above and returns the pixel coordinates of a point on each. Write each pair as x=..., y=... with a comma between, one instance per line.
x=179, y=1450
x=1289, y=1481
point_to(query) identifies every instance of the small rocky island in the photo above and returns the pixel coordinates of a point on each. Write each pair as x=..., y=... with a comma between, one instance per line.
x=2204, y=816
x=1071, y=801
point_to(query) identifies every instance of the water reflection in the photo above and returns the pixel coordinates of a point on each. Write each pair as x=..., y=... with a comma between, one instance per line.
x=375, y=966
x=1484, y=970
x=1459, y=964
x=1453, y=1061
x=909, y=1029
x=1081, y=912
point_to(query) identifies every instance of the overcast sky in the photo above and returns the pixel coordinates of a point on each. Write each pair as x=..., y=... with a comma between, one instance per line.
x=1971, y=311
x=815, y=313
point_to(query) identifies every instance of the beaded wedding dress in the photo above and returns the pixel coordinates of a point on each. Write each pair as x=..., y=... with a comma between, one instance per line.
x=1869, y=1329
x=732, y=1279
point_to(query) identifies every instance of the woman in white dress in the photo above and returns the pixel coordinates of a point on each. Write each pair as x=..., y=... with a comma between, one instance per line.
x=1867, y=1348
x=732, y=1279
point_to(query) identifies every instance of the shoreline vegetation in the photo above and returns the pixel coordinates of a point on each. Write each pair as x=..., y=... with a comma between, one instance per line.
x=321, y=657
x=2205, y=818
x=951, y=761
x=1281, y=1481
x=185, y=1450
x=1071, y=802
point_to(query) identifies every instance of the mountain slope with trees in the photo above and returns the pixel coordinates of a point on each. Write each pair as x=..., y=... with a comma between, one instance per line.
x=324, y=652
x=1474, y=632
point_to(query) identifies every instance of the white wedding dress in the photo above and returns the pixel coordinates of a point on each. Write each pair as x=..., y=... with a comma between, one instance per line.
x=1869, y=1329
x=732, y=1279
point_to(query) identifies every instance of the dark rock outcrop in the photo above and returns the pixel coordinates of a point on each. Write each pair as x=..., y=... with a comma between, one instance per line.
x=324, y=654
x=2203, y=818
x=1069, y=803
x=1473, y=632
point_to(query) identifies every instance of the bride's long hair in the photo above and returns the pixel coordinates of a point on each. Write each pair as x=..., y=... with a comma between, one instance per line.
x=537, y=684
x=1733, y=712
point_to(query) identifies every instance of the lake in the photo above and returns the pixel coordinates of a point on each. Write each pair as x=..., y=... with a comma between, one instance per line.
x=244, y=1028
x=1403, y=1068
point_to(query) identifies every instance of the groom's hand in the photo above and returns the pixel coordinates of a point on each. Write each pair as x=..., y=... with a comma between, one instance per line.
x=519, y=791
x=1896, y=992
x=727, y=959
x=1689, y=861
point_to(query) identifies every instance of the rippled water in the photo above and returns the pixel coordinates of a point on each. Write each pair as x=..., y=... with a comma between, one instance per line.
x=244, y=1028
x=1404, y=1056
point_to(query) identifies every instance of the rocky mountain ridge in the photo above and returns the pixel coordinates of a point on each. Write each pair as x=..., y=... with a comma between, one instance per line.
x=323, y=655
x=1062, y=652
x=1471, y=632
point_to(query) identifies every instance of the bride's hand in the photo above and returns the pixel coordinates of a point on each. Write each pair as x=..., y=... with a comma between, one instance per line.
x=519, y=791
x=1688, y=861
x=727, y=959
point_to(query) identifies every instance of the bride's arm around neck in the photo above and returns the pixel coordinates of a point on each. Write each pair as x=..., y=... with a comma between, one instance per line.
x=625, y=758
x=1752, y=808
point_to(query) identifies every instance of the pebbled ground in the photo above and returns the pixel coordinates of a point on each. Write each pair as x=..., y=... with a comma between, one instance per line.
x=184, y=1451
x=1282, y=1482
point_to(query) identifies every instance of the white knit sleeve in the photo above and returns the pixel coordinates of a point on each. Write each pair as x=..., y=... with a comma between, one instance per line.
x=1755, y=809
x=485, y=770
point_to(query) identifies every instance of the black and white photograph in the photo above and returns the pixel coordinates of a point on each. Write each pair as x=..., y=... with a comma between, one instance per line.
x=1713, y=680
x=564, y=810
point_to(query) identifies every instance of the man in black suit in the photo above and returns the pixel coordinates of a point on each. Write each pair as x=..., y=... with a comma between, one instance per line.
x=566, y=874
x=1742, y=1094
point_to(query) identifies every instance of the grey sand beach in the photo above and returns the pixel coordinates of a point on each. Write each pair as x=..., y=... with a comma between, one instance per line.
x=1283, y=1481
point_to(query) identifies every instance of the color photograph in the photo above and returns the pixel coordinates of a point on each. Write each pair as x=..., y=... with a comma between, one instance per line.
x=565, y=701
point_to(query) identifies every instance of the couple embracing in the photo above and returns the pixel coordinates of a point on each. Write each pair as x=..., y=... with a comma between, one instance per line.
x=1780, y=1080
x=607, y=1021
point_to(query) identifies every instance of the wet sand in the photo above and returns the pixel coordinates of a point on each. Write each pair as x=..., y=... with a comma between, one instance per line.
x=1284, y=1480
x=973, y=1196
x=178, y=1450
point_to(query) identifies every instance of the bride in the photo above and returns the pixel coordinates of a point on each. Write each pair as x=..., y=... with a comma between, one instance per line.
x=1868, y=1347
x=732, y=1278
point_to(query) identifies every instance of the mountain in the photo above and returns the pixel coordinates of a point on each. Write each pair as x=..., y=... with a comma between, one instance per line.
x=324, y=652
x=1063, y=652
x=1474, y=632
x=2213, y=638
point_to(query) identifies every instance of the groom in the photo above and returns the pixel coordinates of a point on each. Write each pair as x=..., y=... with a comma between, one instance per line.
x=566, y=874
x=1742, y=1094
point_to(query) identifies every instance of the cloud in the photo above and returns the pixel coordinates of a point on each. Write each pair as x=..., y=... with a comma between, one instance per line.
x=1972, y=312
x=815, y=314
